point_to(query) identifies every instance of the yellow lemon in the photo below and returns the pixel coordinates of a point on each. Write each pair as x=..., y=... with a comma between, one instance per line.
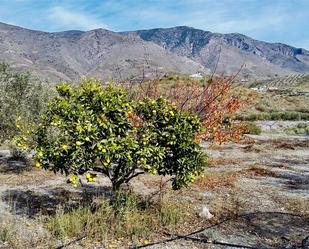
x=73, y=180
x=78, y=143
x=91, y=177
x=37, y=164
x=64, y=147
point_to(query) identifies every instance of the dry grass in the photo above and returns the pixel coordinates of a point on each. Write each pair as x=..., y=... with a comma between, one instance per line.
x=227, y=205
x=256, y=171
x=289, y=144
x=221, y=161
x=29, y=176
x=129, y=220
x=125, y=221
x=213, y=180
x=252, y=148
x=274, y=102
x=19, y=233
x=297, y=205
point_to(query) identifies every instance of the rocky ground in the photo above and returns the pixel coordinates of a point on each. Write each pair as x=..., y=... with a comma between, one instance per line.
x=257, y=192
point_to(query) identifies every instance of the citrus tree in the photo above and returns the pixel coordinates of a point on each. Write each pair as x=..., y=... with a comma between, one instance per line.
x=89, y=129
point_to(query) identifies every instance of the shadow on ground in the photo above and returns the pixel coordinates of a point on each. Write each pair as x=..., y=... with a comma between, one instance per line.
x=11, y=165
x=260, y=230
x=31, y=203
x=14, y=166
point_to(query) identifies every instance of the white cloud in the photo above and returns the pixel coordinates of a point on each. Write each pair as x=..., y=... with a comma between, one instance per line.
x=69, y=19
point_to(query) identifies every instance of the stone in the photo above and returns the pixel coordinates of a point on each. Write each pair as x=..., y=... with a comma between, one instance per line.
x=204, y=212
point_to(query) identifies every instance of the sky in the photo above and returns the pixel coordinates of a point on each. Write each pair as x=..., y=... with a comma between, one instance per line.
x=285, y=21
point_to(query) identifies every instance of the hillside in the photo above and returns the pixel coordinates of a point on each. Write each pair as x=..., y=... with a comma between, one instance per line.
x=261, y=58
x=99, y=53
x=105, y=54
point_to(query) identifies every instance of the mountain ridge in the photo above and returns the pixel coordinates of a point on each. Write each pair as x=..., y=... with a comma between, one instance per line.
x=278, y=54
x=101, y=53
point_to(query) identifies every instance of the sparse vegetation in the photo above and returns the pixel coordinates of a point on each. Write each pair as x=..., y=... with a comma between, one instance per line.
x=258, y=171
x=21, y=95
x=301, y=129
x=133, y=220
x=215, y=179
x=252, y=128
x=275, y=116
x=4, y=234
x=278, y=99
x=91, y=131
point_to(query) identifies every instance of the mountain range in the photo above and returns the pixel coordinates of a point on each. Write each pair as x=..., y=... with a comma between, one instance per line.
x=105, y=54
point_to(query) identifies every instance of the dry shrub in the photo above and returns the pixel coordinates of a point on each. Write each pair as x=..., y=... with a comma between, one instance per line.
x=221, y=161
x=297, y=205
x=251, y=148
x=289, y=144
x=256, y=171
x=226, y=206
x=213, y=101
x=213, y=180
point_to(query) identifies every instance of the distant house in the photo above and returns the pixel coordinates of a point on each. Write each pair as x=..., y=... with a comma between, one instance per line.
x=272, y=89
x=197, y=76
x=261, y=89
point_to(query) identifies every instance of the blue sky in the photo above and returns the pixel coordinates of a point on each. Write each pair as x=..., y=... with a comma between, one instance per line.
x=285, y=21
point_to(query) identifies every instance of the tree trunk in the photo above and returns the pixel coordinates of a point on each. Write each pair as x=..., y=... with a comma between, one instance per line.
x=115, y=187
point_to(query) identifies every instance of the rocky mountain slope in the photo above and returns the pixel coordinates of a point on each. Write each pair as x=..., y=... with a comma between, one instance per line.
x=105, y=54
x=99, y=53
x=260, y=58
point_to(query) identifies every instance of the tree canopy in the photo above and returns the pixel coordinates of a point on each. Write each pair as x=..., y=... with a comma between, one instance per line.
x=90, y=128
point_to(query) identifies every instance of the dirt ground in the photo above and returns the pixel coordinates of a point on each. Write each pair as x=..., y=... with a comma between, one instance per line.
x=258, y=192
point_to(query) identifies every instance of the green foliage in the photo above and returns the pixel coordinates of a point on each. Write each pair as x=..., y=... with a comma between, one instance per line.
x=20, y=96
x=275, y=116
x=301, y=129
x=170, y=215
x=4, y=234
x=89, y=128
x=17, y=153
x=252, y=128
x=133, y=220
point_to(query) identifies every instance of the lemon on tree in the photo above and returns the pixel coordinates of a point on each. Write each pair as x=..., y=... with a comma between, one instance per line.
x=89, y=128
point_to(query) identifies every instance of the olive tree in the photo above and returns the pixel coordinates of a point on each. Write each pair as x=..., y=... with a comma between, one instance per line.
x=20, y=96
x=91, y=128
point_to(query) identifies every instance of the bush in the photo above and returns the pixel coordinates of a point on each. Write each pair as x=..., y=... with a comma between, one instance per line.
x=252, y=128
x=214, y=101
x=301, y=129
x=274, y=116
x=89, y=128
x=20, y=96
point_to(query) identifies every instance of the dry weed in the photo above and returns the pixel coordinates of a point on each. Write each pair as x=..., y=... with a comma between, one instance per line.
x=256, y=171
x=214, y=179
